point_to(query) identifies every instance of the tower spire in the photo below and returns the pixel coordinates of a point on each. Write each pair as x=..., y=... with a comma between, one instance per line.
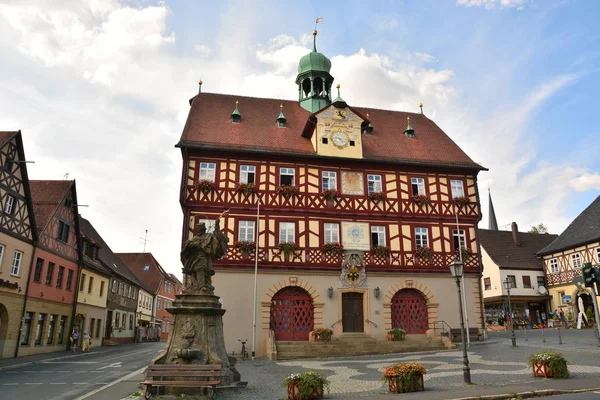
x=314, y=40
x=493, y=224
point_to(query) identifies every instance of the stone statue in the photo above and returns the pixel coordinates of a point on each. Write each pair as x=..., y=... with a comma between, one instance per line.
x=199, y=253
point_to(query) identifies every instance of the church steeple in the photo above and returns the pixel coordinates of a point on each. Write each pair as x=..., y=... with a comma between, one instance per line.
x=313, y=80
x=493, y=224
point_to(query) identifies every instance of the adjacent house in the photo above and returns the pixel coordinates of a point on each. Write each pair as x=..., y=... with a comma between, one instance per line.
x=94, y=283
x=123, y=293
x=565, y=256
x=159, y=283
x=511, y=255
x=17, y=237
x=53, y=281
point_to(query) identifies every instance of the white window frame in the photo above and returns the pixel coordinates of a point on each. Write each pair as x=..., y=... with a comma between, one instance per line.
x=462, y=238
x=576, y=264
x=287, y=232
x=597, y=255
x=285, y=171
x=421, y=237
x=374, y=183
x=114, y=286
x=2, y=250
x=246, y=231
x=244, y=171
x=208, y=171
x=9, y=205
x=553, y=266
x=17, y=261
x=332, y=233
x=329, y=180
x=420, y=182
x=457, y=187
x=379, y=230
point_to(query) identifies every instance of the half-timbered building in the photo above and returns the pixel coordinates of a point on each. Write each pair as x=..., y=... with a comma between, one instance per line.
x=17, y=236
x=357, y=213
x=565, y=256
x=53, y=282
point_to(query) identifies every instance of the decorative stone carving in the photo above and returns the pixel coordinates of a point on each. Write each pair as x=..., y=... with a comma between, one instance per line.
x=188, y=333
x=353, y=271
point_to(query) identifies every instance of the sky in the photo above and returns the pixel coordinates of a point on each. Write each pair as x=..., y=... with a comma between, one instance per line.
x=100, y=90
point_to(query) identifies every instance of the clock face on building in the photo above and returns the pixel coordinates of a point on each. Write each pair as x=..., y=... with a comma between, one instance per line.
x=340, y=139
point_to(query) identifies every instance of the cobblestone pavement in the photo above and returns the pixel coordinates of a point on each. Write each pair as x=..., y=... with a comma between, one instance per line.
x=494, y=363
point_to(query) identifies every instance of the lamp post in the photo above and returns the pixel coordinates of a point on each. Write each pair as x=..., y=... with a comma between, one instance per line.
x=456, y=269
x=508, y=285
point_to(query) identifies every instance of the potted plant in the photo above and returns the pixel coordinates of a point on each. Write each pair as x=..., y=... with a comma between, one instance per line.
x=287, y=191
x=206, y=186
x=465, y=253
x=335, y=249
x=322, y=334
x=307, y=385
x=421, y=199
x=460, y=201
x=590, y=316
x=376, y=196
x=330, y=195
x=405, y=377
x=549, y=365
x=396, y=334
x=245, y=188
x=287, y=248
x=424, y=252
x=379, y=250
x=246, y=247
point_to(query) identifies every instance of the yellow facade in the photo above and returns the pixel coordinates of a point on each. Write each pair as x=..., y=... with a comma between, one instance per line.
x=93, y=288
x=144, y=309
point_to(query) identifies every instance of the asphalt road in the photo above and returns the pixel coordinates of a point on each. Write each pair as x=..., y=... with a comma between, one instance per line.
x=74, y=377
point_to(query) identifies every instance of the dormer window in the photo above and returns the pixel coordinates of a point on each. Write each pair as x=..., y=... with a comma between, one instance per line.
x=281, y=120
x=146, y=268
x=236, y=117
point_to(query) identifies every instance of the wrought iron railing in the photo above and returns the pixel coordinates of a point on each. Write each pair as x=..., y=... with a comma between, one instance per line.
x=442, y=327
x=335, y=323
x=371, y=322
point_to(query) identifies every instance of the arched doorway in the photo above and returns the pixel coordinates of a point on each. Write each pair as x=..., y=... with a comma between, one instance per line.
x=292, y=314
x=409, y=311
x=3, y=326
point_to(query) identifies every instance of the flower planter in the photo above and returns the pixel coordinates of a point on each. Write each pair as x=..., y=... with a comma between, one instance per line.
x=320, y=338
x=542, y=369
x=408, y=384
x=245, y=255
x=294, y=388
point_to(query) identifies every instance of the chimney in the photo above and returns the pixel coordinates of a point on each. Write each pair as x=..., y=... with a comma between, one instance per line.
x=515, y=233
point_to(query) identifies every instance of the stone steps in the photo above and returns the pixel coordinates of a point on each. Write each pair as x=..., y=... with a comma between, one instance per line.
x=354, y=345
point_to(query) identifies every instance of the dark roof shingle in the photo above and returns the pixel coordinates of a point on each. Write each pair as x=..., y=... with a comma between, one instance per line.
x=209, y=125
x=584, y=229
x=505, y=253
x=5, y=136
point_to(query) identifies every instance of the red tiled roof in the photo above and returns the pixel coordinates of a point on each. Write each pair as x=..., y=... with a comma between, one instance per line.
x=46, y=196
x=209, y=126
x=137, y=263
x=5, y=136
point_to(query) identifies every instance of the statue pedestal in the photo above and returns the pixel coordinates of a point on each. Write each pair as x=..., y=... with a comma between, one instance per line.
x=197, y=337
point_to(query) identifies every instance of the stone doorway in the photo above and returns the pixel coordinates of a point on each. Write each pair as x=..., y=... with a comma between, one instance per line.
x=292, y=314
x=352, y=312
x=109, y=322
x=409, y=311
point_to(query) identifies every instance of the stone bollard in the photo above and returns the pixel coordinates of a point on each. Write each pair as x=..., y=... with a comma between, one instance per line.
x=559, y=337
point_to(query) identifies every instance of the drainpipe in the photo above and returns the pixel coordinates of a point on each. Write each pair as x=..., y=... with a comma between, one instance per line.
x=79, y=265
x=74, y=311
x=25, y=299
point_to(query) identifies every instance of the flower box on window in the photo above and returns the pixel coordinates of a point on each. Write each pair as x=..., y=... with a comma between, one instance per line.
x=405, y=377
x=245, y=188
x=421, y=199
x=330, y=194
x=287, y=191
x=206, y=186
x=460, y=201
x=246, y=247
x=376, y=196
x=465, y=253
x=333, y=248
x=424, y=252
x=288, y=248
x=381, y=251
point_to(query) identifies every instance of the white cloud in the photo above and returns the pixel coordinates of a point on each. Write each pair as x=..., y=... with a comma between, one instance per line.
x=489, y=4
x=586, y=181
x=203, y=50
x=424, y=57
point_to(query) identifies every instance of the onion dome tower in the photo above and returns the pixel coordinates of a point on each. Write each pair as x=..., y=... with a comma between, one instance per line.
x=313, y=80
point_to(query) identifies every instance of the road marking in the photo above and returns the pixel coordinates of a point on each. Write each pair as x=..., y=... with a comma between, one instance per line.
x=113, y=365
x=58, y=383
x=80, y=383
x=34, y=383
x=29, y=372
x=47, y=372
x=11, y=372
x=9, y=384
x=63, y=372
x=70, y=362
x=93, y=392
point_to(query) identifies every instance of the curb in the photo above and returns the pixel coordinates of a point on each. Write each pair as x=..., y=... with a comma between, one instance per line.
x=527, y=395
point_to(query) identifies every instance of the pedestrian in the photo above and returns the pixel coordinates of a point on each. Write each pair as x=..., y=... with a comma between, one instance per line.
x=561, y=317
x=85, y=343
x=75, y=337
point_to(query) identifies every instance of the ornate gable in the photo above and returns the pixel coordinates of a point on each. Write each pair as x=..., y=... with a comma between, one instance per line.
x=338, y=133
x=15, y=209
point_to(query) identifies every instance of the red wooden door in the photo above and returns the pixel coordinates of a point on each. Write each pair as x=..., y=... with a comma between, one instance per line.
x=409, y=311
x=292, y=315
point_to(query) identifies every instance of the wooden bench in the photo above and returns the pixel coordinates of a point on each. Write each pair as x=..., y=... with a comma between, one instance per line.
x=455, y=334
x=182, y=375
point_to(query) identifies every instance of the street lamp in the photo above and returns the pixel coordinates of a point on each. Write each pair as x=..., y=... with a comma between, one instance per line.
x=456, y=269
x=508, y=285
